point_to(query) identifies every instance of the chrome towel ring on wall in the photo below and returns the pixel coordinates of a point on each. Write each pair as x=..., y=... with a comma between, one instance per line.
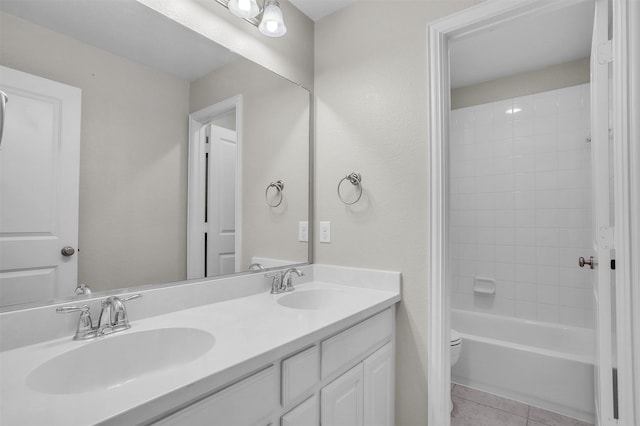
x=356, y=180
x=278, y=186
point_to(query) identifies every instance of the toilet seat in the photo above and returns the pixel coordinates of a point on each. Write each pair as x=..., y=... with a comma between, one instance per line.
x=455, y=338
x=455, y=349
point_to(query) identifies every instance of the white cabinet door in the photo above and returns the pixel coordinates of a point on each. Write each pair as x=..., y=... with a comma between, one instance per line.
x=305, y=414
x=379, y=388
x=247, y=403
x=342, y=400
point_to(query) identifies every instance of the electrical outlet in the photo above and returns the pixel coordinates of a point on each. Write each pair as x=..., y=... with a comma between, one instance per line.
x=325, y=232
x=303, y=231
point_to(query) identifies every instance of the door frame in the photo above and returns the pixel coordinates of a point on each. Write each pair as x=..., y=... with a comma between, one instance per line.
x=196, y=184
x=626, y=177
x=626, y=104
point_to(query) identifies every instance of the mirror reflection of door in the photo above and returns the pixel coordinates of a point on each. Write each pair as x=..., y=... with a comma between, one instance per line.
x=39, y=166
x=220, y=247
x=215, y=209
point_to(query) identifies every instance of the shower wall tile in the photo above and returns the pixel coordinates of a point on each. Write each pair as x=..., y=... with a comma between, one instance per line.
x=520, y=206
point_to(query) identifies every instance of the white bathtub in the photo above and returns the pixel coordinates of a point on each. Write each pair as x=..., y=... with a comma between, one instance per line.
x=539, y=364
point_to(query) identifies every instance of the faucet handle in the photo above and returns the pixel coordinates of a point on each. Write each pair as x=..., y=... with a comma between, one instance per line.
x=121, y=317
x=131, y=297
x=276, y=281
x=66, y=309
x=85, y=328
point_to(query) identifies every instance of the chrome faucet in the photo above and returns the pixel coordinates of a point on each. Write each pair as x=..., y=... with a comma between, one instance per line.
x=282, y=281
x=113, y=318
x=287, y=280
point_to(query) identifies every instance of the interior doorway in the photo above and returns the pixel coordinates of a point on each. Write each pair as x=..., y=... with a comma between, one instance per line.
x=465, y=24
x=214, y=236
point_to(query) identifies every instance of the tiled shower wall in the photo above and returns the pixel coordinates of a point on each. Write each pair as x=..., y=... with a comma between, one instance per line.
x=520, y=206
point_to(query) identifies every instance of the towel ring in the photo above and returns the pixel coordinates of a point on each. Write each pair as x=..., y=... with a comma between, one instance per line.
x=355, y=179
x=278, y=186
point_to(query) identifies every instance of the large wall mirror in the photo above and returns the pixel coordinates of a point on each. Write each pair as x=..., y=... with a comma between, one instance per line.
x=181, y=145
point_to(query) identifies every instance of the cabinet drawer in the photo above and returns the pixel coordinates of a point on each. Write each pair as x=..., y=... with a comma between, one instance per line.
x=244, y=404
x=348, y=347
x=299, y=373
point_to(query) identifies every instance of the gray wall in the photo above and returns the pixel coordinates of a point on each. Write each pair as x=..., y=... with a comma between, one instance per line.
x=133, y=155
x=371, y=112
x=541, y=80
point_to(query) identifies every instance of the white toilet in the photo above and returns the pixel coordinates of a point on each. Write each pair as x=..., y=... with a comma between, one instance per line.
x=456, y=346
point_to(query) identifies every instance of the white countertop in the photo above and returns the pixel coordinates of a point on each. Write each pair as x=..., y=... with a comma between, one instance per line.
x=249, y=332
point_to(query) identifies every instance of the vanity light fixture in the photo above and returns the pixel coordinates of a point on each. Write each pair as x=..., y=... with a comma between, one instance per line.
x=272, y=24
x=244, y=8
x=269, y=19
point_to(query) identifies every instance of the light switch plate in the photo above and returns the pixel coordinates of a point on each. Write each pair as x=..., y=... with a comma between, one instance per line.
x=325, y=232
x=303, y=231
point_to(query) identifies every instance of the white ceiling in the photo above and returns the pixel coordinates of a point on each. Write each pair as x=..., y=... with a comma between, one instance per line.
x=519, y=46
x=140, y=34
x=523, y=45
x=318, y=9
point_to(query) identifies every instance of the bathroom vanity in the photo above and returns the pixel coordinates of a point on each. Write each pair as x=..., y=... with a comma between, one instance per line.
x=323, y=351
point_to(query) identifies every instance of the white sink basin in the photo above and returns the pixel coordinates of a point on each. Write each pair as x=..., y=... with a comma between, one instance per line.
x=114, y=360
x=321, y=298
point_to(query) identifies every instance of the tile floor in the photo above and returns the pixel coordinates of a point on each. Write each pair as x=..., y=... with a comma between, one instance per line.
x=475, y=408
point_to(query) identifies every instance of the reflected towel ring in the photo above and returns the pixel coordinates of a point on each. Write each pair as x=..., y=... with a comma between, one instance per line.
x=278, y=186
x=355, y=179
x=3, y=104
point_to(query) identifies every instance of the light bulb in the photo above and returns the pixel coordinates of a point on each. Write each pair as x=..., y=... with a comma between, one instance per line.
x=272, y=24
x=244, y=8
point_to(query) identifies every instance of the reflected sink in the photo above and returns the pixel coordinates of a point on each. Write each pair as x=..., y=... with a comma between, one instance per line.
x=117, y=359
x=321, y=298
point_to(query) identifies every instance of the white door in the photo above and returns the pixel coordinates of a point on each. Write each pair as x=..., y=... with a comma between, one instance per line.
x=342, y=401
x=602, y=215
x=379, y=388
x=221, y=203
x=39, y=166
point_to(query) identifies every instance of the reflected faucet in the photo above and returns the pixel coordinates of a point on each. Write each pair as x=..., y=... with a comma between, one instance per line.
x=82, y=289
x=256, y=267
